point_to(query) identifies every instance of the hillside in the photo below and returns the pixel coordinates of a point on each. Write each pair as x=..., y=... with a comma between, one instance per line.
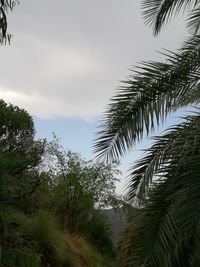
x=117, y=220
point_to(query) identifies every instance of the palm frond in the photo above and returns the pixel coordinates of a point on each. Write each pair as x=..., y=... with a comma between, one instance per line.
x=153, y=91
x=194, y=20
x=178, y=141
x=168, y=230
x=158, y=12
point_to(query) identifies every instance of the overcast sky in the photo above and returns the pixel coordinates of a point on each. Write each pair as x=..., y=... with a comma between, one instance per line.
x=67, y=57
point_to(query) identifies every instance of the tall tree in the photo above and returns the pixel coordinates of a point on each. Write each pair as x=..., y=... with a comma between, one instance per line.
x=80, y=190
x=19, y=158
x=166, y=181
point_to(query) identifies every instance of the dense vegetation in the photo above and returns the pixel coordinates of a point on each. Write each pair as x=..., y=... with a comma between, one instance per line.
x=51, y=200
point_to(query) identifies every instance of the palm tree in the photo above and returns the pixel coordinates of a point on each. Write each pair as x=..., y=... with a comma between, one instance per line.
x=166, y=181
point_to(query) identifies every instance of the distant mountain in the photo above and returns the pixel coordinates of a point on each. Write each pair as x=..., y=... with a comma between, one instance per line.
x=118, y=220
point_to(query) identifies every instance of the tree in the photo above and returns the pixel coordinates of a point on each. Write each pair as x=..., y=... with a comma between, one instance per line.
x=39, y=180
x=80, y=190
x=166, y=181
x=79, y=185
x=20, y=156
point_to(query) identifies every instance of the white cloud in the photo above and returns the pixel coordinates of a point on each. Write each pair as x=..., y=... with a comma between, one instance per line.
x=52, y=107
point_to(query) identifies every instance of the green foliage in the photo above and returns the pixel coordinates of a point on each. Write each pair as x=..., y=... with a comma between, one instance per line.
x=80, y=189
x=153, y=91
x=11, y=257
x=16, y=127
x=10, y=222
x=97, y=231
x=37, y=177
x=165, y=231
x=174, y=146
x=19, y=159
x=48, y=238
x=19, y=156
x=94, y=177
x=79, y=186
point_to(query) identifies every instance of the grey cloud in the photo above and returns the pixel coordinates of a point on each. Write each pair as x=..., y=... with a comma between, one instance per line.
x=73, y=53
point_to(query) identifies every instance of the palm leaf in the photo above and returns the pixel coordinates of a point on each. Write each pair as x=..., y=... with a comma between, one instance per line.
x=178, y=141
x=194, y=20
x=159, y=12
x=154, y=90
x=168, y=230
